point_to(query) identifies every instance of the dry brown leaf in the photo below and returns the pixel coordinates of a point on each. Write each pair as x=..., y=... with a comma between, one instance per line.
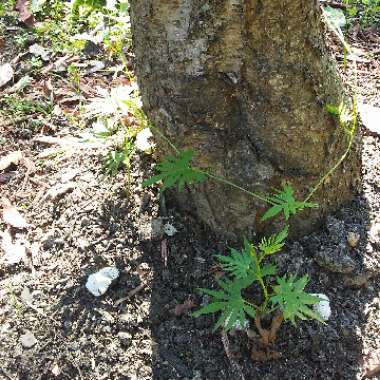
x=26, y=15
x=11, y=216
x=12, y=158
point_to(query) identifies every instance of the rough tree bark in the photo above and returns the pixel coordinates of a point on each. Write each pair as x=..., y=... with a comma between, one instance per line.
x=244, y=83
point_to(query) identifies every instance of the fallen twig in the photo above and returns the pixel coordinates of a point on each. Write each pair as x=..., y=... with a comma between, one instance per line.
x=164, y=252
x=131, y=293
x=234, y=364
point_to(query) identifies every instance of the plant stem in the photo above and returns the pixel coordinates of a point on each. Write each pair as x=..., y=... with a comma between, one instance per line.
x=165, y=138
x=227, y=182
x=261, y=282
x=251, y=304
x=332, y=170
x=347, y=48
x=276, y=324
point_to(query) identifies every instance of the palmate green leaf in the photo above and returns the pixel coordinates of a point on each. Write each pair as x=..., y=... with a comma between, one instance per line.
x=243, y=265
x=284, y=201
x=176, y=170
x=290, y=297
x=239, y=262
x=274, y=243
x=229, y=302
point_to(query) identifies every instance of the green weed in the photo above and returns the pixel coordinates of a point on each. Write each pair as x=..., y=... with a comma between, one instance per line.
x=15, y=105
x=366, y=11
x=117, y=159
x=74, y=77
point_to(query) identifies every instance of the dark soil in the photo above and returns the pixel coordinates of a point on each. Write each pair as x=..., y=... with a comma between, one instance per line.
x=102, y=222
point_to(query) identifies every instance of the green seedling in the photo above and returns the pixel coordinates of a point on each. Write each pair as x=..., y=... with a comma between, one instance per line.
x=116, y=160
x=74, y=77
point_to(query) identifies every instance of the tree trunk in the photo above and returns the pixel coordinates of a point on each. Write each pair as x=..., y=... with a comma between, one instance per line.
x=244, y=83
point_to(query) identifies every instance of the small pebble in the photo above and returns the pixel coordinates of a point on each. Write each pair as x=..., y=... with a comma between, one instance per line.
x=323, y=306
x=353, y=239
x=28, y=340
x=251, y=333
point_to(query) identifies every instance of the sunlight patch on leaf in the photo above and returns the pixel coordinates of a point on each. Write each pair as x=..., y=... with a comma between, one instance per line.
x=274, y=243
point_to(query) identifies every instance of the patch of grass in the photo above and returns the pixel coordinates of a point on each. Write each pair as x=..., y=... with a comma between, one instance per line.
x=74, y=77
x=117, y=159
x=16, y=105
x=21, y=39
x=6, y=7
x=367, y=12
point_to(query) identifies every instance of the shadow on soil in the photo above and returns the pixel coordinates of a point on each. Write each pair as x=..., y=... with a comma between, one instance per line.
x=186, y=348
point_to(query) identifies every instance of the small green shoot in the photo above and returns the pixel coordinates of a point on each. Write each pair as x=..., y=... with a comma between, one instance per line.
x=115, y=159
x=344, y=116
x=284, y=201
x=273, y=244
x=245, y=263
x=74, y=77
x=246, y=268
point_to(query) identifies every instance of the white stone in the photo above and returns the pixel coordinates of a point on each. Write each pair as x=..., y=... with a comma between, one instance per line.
x=39, y=51
x=323, y=306
x=98, y=283
x=28, y=340
x=169, y=229
x=6, y=74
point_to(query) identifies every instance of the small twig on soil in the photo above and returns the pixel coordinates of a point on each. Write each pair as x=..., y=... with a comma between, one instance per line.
x=131, y=293
x=371, y=373
x=164, y=252
x=233, y=362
